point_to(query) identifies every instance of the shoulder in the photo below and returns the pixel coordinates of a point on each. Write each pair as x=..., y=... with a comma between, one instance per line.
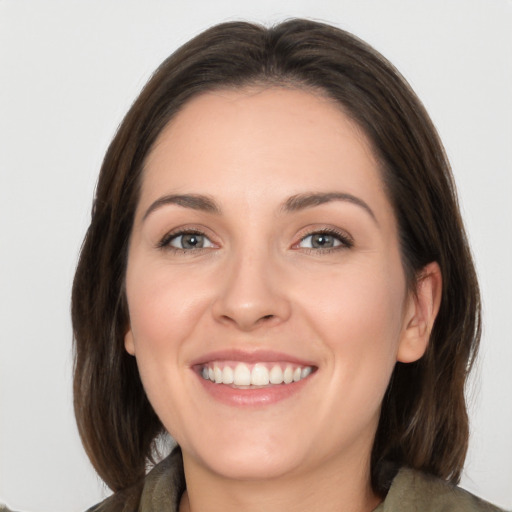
x=413, y=491
x=160, y=491
x=122, y=501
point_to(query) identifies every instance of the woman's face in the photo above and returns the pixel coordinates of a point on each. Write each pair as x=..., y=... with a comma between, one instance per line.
x=266, y=294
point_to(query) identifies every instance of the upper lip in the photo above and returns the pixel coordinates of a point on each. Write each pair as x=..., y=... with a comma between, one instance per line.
x=250, y=356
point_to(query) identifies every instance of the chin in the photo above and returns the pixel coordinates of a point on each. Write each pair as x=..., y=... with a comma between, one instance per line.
x=253, y=464
x=247, y=457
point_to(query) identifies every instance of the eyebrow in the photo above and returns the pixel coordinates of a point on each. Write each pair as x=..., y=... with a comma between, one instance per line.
x=309, y=200
x=192, y=201
x=292, y=204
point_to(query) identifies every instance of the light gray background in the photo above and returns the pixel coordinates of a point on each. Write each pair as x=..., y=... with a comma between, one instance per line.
x=68, y=72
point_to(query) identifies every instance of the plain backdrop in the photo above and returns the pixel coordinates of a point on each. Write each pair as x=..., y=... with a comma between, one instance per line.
x=69, y=71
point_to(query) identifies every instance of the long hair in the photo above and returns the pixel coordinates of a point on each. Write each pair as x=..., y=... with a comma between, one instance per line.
x=423, y=423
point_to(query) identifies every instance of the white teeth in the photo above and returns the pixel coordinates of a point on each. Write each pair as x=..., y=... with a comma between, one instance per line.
x=227, y=375
x=276, y=375
x=288, y=375
x=305, y=372
x=259, y=375
x=242, y=376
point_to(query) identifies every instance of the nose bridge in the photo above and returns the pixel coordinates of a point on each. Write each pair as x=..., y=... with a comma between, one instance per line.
x=251, y=293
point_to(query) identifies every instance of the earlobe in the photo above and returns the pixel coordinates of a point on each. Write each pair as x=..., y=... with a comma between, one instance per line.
x=421, y=311
x=128, y=342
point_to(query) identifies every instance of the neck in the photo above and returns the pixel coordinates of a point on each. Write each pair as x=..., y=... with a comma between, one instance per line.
x=331, y=487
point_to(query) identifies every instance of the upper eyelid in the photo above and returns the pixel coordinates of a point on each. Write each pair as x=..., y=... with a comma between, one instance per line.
x=341, y=233
x=189, y=228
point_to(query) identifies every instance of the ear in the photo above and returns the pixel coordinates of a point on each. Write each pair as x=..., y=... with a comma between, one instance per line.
x=129, y=345
x=420, y=312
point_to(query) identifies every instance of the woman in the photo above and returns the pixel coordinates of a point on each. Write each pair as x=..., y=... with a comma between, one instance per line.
x=276, y=274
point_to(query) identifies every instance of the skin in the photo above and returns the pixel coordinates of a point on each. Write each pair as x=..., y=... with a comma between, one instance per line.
x=259, y=284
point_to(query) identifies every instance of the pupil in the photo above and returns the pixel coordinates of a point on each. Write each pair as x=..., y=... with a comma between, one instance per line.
x=322, y=241
x=192, y=241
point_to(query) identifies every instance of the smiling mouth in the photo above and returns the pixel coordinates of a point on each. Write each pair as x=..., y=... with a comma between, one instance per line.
x=251, y=376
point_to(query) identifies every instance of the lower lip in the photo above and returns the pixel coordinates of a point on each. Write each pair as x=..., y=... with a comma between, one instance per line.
x=253, y=397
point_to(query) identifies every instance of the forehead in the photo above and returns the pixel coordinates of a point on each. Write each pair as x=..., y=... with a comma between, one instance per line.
x=256, y=142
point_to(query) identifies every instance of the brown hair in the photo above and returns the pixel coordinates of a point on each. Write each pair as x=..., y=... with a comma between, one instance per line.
x=423, y=422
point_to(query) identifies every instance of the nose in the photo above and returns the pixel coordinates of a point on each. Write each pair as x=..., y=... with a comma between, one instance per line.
x=252, y=294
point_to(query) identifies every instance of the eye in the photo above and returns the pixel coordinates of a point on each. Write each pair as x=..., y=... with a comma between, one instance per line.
x=325, y=240
x=186, y=241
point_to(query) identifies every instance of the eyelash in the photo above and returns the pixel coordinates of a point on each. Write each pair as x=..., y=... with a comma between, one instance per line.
x=165, y=242
x=346, y=242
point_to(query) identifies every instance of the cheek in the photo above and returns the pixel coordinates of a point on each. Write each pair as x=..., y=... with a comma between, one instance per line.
x=164, y=306
x=164, y=309
x=358, y=314
x=355, y=317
